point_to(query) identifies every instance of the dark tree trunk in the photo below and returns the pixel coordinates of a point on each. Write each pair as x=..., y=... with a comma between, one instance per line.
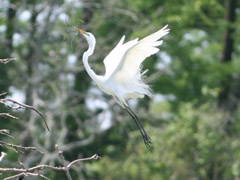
x=230, y=17
x=11, y=13
x=228, y=48
x=6, y=46
x=30, y=63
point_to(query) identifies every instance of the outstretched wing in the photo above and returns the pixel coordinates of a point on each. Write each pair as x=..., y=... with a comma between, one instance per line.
x=128, y=69
x=114, y=58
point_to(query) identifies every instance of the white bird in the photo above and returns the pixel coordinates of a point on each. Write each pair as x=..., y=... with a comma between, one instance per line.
x=123, y=76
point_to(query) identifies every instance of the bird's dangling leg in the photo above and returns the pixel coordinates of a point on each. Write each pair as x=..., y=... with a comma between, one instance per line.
x=145, y=136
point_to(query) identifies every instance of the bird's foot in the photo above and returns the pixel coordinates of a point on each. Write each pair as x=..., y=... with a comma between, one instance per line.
x=147, y=140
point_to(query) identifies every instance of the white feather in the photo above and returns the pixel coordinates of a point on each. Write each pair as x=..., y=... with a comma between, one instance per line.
x=123, y=64
x=123, y=77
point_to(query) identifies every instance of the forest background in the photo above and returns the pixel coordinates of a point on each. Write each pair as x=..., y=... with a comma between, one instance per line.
x=193, y=118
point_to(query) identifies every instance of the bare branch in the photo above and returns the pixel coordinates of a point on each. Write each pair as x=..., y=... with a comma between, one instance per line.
x=26, y=106
x=7, y=115
x=2, y=156
x=5, y=132
x=26, y=174
x=78, y=144
x=22, y=175
x=3, y=93
x=5, y=61
x=19, y=148
x=95, y=156
x=30, y=171
x=63, y=162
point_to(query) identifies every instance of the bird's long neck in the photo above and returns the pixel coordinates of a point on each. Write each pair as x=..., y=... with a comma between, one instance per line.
x=90, y=72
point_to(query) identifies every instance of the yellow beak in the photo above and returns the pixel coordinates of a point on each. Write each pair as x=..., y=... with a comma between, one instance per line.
x=80, y=30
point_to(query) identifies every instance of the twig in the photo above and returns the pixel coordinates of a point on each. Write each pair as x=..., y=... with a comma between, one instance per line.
x=63, y=162
x=2, y=156
x=19, y=148
x=28, y=107
x=25, y=175
x=5, y=61
x=29, y=171
x=5, y=132
x=18, y=176
x=39, y=167
x=95, y=156
x=3, y=93
x=7, y=115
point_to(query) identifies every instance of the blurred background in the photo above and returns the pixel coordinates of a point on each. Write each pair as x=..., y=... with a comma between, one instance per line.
x=193, y=118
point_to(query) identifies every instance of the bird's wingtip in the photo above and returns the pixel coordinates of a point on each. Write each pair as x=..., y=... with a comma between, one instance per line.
x=166, y=28
x=121, y=40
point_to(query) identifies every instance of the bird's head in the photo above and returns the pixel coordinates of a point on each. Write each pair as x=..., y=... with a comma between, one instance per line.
x=89, y=36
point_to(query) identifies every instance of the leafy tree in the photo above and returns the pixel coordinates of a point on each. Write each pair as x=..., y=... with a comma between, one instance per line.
x=193, y=118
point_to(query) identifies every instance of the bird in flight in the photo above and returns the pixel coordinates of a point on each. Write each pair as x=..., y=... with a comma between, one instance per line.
x=123, y=75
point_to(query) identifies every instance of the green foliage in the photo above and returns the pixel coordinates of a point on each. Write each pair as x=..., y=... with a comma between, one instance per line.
x=193, y=138
x=193, y=144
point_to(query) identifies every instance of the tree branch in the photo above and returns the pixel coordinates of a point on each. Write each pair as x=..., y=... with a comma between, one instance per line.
x=3, y=93
x=22, y=175
x=3, y=101
x=5, y=132
x=64, y=164
x=19, y=148
x=7, y=60
x=2, y=156
x=30, y=171
x=7, y=115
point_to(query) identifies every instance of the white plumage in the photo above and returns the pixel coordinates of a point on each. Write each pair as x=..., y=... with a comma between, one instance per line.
x=123, y=76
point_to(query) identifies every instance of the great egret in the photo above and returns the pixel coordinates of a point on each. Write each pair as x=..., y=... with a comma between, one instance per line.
x=123, y=76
